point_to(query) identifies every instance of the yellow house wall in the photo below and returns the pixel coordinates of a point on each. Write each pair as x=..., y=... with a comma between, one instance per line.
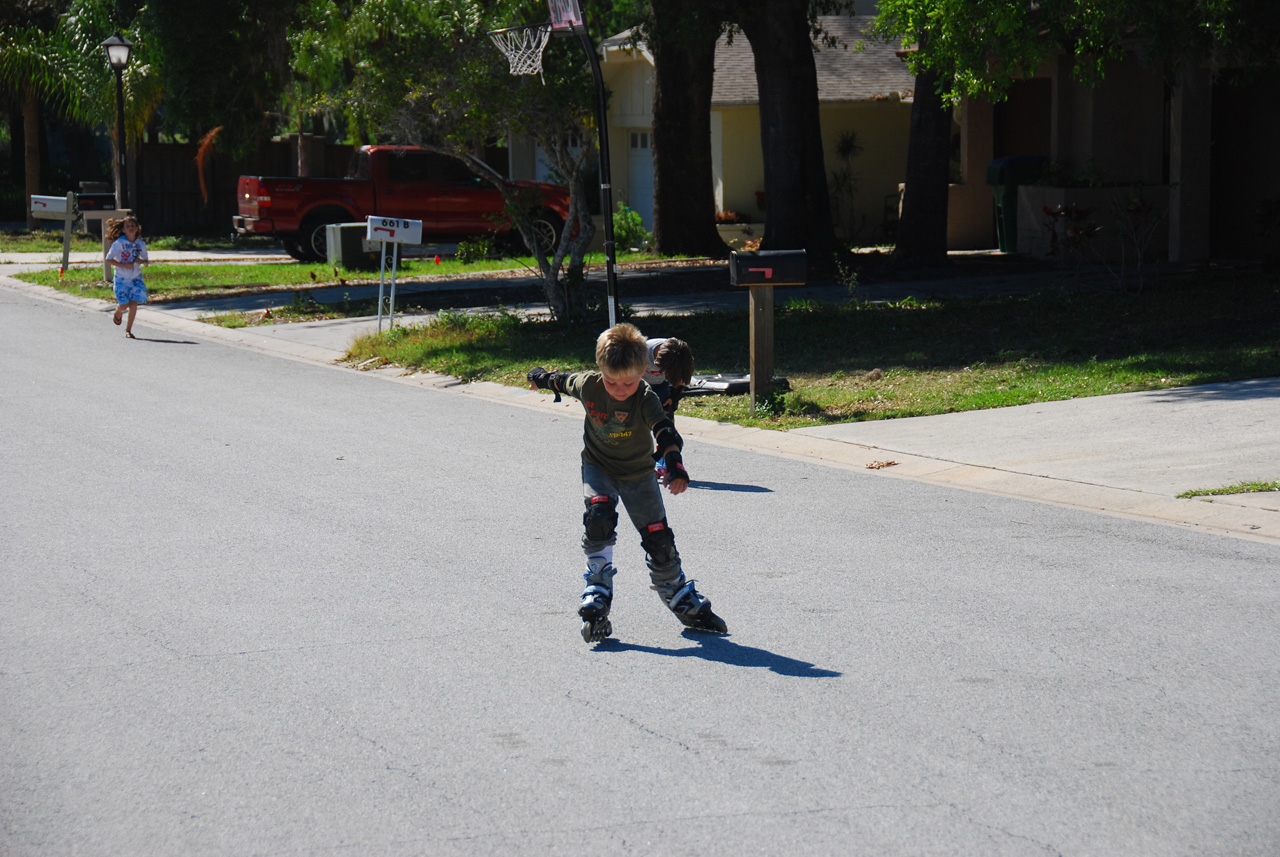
x=741, y=160
x=882, y=128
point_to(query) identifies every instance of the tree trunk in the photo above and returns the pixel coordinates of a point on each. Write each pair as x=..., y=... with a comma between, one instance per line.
x=16, y=145
x=683, y=41
x=922, y=229
x=797, y=205
x=31, y=146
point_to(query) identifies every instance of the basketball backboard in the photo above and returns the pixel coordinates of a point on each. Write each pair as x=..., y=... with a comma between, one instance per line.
x=565, y=14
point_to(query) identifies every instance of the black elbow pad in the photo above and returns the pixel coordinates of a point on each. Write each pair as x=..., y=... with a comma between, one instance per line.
x=665, y=435
x=544, y=380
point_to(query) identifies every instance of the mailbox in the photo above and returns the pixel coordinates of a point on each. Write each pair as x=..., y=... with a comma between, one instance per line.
x=53, y=207
x=96, y=201
x=58, y=208
x=767, y=268
x=393, y=230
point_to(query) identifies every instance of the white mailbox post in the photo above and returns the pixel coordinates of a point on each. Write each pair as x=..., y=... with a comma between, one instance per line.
x=58, y=208
x=394, y=231
x=67, y=210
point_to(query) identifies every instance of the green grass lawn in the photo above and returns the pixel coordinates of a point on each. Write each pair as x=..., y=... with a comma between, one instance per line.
x=171, y=280
x=50, y=241
x=874, y=361
x=181, y=280
x=46, y=241
x=847, y=362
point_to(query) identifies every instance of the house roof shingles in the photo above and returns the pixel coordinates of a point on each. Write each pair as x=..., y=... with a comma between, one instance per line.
x=875, y=73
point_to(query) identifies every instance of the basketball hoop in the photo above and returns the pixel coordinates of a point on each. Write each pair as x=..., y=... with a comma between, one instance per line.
x=523, y=47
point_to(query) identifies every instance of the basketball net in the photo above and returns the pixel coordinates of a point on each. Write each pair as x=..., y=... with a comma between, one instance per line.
x=523, y=47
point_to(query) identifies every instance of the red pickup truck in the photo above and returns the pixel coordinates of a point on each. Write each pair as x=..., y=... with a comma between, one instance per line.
x=452, y=202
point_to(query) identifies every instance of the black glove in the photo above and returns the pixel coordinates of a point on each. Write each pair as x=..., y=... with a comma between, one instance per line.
x=675, y=466
x=541, y=379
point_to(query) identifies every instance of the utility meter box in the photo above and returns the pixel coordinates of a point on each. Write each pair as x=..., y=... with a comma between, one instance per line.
x=768, y=268
x=348, y=249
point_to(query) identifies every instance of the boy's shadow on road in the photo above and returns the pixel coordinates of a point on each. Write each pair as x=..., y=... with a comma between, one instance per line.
x=715, y=648
x=729, y=486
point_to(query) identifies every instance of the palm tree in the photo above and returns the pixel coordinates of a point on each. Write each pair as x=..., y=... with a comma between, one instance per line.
x=32, y=67
x=50, y=56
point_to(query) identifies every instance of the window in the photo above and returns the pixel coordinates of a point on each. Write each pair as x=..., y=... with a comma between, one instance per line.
x=409, y=167
x=452, y=171
x=358, y=168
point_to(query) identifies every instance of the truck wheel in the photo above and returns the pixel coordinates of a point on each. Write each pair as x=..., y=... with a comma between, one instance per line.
x=546, y=231
x=294, y=248
x=314, y=240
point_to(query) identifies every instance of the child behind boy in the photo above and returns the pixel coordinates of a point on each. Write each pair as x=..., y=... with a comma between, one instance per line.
x=624, y=420
x=669, y=371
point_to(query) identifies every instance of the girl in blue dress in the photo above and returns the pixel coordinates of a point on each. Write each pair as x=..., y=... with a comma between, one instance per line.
x=128, y=253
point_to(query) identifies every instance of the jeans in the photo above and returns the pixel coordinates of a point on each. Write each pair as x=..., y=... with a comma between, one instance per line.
x=642, y=499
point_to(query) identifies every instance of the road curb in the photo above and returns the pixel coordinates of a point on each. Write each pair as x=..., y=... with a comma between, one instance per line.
x=1252, y=523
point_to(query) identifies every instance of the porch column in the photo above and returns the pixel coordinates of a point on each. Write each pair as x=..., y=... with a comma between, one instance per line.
x=1189, y=166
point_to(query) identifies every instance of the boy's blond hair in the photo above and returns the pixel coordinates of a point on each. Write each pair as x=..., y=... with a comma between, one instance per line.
x=622, y=350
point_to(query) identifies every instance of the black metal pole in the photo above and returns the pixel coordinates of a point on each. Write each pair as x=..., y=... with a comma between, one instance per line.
x=606, y=180
x=122, y=194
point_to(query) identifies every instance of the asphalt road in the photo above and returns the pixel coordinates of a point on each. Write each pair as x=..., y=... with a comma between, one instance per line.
x=253, y=606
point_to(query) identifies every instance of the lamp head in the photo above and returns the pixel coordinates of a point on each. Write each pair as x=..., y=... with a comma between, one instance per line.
x=117, y=48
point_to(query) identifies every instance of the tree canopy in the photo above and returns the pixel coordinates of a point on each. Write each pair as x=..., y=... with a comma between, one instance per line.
x=425, y=72
x=50, y=56
x=223, y=62
x=979, y=47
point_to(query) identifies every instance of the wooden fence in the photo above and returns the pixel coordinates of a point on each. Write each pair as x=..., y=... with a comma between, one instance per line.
x=169, y=200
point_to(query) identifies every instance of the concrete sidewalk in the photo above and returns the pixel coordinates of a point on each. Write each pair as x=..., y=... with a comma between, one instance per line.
x=1128, y=455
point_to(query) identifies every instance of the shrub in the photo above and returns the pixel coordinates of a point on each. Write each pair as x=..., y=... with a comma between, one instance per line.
x=479, y=248
x=628, y=229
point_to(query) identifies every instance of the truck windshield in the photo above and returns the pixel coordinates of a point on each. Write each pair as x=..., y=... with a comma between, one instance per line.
x=358, y=166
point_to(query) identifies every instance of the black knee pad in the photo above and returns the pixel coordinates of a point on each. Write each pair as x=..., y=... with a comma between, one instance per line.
x=601, y=517
x=659, y=543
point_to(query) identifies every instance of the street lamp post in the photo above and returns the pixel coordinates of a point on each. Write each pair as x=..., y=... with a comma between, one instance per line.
x=118, y=48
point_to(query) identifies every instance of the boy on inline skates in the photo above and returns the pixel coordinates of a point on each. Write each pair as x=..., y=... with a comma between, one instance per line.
x=624, y=420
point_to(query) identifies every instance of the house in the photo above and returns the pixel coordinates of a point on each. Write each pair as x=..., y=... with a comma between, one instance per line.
x=865, y=92
x=1186, y=167
x=1198, y=149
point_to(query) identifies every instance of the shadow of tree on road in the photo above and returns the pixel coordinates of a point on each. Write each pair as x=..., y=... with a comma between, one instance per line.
x=1256, y=388
x=722, y=650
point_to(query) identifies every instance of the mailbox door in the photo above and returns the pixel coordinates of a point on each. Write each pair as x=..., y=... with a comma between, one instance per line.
x=768, y=268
